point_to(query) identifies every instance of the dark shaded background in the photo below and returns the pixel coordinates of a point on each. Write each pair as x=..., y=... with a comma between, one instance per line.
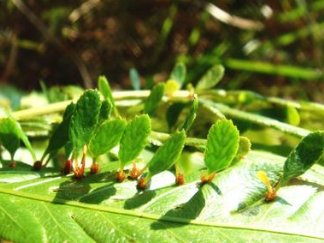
x=72, y=42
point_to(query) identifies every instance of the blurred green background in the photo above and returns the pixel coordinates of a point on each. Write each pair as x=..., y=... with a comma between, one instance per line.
x=272, y=47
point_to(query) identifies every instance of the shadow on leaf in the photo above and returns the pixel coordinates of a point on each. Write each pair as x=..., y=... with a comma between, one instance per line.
x=189, y=210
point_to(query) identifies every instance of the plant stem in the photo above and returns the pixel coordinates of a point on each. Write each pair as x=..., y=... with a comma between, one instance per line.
x=118, y=95
x=258, y=119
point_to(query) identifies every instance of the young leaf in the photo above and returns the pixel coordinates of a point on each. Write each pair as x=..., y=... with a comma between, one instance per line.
x=244, y=149
x=154, y=98
x=22, y=136
x=25, y=140
x=293, y=117
x=306, y=154
x=84, y=120
x=173, y=113
x=105, y=90
x=211, y=78
x=222, y=145
x=134, y=139
x=105, y=110
x=136, y=83
x=60, y=135
x=9, y=135
x=167, y=154
x=191, y=116
x=179, y=73
x=171, y=86
x=107, y=136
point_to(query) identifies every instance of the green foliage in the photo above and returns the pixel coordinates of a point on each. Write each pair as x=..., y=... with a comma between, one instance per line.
x=179, y=73
x=105, y=110
x=243, y=150
x=9, y=135
x=222, y=145
x=167, y=154
x=107, y=136
x=105, y=90
x=211, y=78
x=192, y=115
x=84, y=119
x=305, y=155
x=60, y=135
x=134, y=76
x=154, y=98
x=134, y=139
x=108, y=212
x=173, y=113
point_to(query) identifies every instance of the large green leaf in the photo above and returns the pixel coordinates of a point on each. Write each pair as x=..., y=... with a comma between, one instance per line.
x=231, y=209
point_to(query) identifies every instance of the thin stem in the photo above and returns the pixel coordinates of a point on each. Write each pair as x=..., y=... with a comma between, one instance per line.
x=118, y=95
x=258, y=119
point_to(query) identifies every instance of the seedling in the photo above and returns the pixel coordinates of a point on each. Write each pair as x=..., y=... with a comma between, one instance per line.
x=59, y=138
x=133, y=142
x=222, y=146
x=165, y=157
x=107, y=135
x=154, y=98
x=82, y=127
x=10, y=136
x=271, y=193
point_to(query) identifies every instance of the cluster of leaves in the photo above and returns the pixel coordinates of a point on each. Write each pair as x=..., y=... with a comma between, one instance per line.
x=94, y=126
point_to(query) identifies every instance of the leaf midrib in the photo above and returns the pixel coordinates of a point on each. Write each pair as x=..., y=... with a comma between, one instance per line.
x=154, y=217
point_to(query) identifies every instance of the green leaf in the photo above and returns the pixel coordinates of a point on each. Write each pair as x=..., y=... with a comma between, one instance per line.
x=229, y=210
x=107, y=136
x=134, y=139
x=84, y=120
x=173, y=113
x=105, y=110
x=293, y=116
x=134, y=76
x=244, y=149
x=211, y=78
x=192, y=115
x=304, y=156
x=179, y=73
x=154, y=98
x=105, y=90
x=60, y=136
x=167, y=154
x=222, y=145
x=9, y=135
x=18, y=224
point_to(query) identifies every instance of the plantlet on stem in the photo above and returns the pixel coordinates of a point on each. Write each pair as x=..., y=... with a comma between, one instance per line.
x=59, y=138
x=271, y=193
x=10, y=135
x=107, y=135
x=164, y=158
x=83, y=124
x=222, y=146
x=133, y=142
